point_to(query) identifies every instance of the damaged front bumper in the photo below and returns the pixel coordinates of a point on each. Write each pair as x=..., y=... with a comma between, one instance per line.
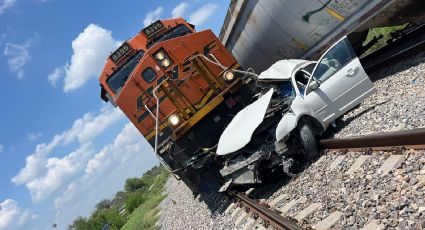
x=243, y=170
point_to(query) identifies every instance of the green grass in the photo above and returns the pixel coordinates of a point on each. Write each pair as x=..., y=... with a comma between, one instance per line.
x=386, y=33
x=145, y=216
x=140, y=199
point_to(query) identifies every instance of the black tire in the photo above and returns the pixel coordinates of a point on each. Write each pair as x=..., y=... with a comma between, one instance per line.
x=308, y=142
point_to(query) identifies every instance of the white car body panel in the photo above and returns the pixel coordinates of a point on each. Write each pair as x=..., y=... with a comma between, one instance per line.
x=340, y=92
x=286, y=125
x=239, y=132
x=289, y=120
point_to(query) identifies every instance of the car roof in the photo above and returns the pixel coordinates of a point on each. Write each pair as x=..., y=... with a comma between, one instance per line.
x=281, y=70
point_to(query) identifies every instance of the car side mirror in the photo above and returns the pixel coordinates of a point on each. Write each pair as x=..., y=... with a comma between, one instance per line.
x=314, y=85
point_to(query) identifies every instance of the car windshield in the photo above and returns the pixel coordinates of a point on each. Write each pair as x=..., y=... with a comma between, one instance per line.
x=118, y=79
x=285, y=88
x=177, y=31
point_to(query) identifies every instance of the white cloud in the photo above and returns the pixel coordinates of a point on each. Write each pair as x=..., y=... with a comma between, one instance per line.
x=33, y=136
x=56, y=74
x=41, y=170
x=59, y=171
x=1, y=148
x=18, y=55
x=9, y=211
x=128, y=141
x=26, y=216
x=153, y=16
x=129, y=155
x=90, y=51
x=202, y=14
x=6, y=4
x=12, y=217
x=179, y=10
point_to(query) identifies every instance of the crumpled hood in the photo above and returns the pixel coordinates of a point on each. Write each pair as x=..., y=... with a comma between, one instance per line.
x=239, y=132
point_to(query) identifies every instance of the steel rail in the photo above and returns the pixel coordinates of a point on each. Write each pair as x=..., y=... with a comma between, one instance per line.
x=274, y=219
x=396, y=57
x=413, y=139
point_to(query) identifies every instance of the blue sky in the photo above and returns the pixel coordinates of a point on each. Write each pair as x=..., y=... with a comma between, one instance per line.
x=61, y=148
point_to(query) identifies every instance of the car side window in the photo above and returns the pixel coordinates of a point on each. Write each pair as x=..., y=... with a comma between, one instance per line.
x=301, y=79
x=309, y=68
x=334, y=60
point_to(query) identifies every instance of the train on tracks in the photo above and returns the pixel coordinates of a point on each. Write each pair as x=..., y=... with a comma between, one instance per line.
x=189, y=75
x=181, y=88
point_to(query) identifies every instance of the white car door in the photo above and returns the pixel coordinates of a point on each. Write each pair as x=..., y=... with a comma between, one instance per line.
x=338, y=83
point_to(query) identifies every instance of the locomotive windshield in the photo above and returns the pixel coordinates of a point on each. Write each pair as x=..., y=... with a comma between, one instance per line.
x=118, y=79
x=175, y=32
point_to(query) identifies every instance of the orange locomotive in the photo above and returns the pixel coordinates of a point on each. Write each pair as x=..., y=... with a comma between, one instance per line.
x=190, y=74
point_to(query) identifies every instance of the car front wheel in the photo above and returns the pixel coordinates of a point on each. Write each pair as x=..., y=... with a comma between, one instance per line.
x=308, y=142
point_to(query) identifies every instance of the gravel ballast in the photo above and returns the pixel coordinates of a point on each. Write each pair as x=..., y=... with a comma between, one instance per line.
x=180, y=210
x=394, y=200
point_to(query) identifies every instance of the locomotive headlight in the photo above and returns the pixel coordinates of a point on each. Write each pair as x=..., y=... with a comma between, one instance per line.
x=160, y=55
x=162, y=58
x=174, y=119
x=165, y=62
x=229, y=76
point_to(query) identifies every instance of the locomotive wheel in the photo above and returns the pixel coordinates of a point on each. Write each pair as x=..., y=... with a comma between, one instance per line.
x=308, y=142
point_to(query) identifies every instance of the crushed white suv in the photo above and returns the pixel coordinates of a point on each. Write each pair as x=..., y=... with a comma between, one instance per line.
x=299, y=100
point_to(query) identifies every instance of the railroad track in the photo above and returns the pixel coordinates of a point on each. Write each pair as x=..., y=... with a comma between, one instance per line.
x=412, y=43
x=294, y=213
x=247, y=207
x=408, y=139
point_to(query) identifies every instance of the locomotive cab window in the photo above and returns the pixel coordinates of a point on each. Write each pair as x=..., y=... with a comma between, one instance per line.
x=149, y=75
x=117, y=80
x=175, y=32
